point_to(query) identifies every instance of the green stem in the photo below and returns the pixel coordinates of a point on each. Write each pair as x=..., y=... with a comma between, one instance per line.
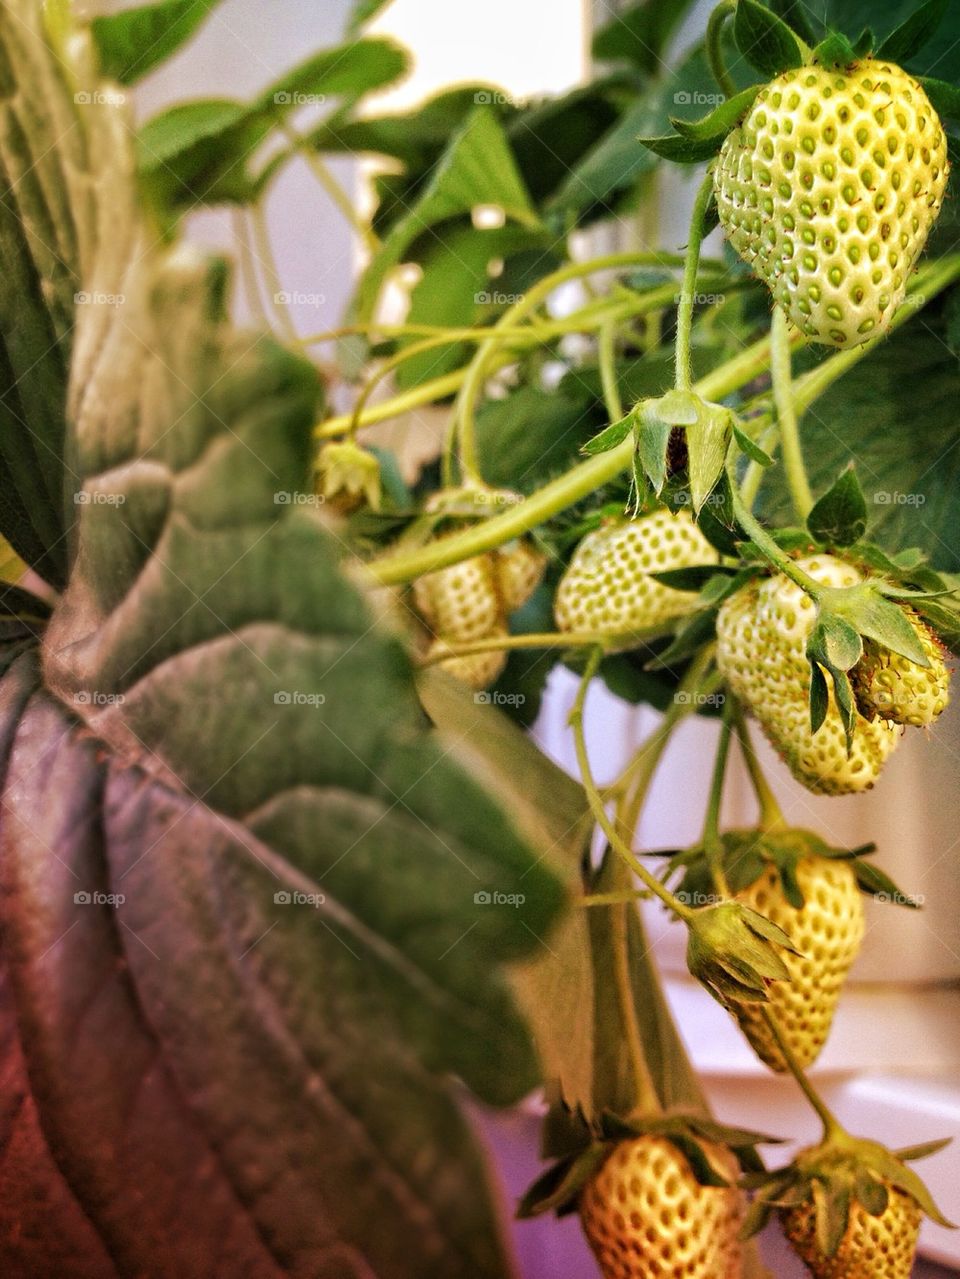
x=543, y=639
x=608, y=370
x=595, y=801
x=771, y=815
x=832, y=1128
x=333, y=189
x=647, y=1099
x=782, y=373
x=712, y=844
x=264, y=250
x=248, y=271
x=715, y=56
x=684, y=374
x=768, y=547
x=560, y=493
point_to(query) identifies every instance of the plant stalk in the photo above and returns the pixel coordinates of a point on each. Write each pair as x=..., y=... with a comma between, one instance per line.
x=684, y=374
x=790, y=446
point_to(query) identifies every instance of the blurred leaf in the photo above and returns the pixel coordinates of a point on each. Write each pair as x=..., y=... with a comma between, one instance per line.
x=133, y=41
x=902, y=433
x=641, y=34
x=202, y=151
x=365, y=11
x=477, y=169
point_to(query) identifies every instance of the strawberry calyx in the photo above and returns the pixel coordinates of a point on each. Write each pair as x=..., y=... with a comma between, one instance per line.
x=347, y=476
x=697, y=1138
x=747, y=854
x=835, y=1176
x=733, y=951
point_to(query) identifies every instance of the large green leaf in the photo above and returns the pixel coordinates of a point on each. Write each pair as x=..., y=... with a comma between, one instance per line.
x=243, y=950
x=132, y=42
x=894, y=416
x=939, y=57
x=477, y=169
x=202, y=151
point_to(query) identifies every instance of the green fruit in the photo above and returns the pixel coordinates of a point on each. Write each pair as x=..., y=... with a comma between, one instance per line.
x=827, y=931
x=829, y=189
x=647, y=1217
x=762, y=633
x=607, y=588
x=880, y=1247
x=893, y=687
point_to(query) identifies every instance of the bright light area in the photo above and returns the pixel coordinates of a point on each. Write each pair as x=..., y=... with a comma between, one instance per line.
x=528, y=47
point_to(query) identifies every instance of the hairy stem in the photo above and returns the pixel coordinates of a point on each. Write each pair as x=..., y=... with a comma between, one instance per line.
x=684, y=374
x=608, y=370
x=715, y=56
x=790, y=446
x=614, y=838
x=771, y=815
x=712, y=845
x=832, y=1127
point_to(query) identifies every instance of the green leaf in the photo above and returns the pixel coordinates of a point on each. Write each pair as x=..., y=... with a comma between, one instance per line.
x=721, y=120
x=765, y=40
x=901, y=45
x=365, y=11
x=904, y=435
x=750, y=447
x=640, y=34
x=944, y=98
x=215, y=724
x=477, y=168
x=532, y=434
x=839, y=517
x=203, y=150
x=134, y=41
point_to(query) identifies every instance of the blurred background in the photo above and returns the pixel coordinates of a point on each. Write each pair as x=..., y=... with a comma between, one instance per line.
x=892, y=1065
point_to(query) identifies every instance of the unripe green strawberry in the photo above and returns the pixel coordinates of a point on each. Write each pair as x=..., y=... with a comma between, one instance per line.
x=461, y=602
x=829, y=189
x=880, y=1247
x=476, y=670
x=607, y=588
x=647, y=1217
x=519, y=572
x=827, y=931
x=895, y=688
x=762, y=633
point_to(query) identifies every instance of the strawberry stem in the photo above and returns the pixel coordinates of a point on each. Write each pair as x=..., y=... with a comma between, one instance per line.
x=833, y=1130
x=684, y=374
x=607, y=355
x=712, y=844
x=714, y=46
x=594, y=799
x=647, y=1098
x=771, y=815
x=782, y=374
x=769, y=548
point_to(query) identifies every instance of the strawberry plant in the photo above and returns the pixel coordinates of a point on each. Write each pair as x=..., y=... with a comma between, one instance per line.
x=283, y=881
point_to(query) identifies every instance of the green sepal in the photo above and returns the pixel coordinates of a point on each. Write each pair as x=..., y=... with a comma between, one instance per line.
x=721, y=120
x=865, y=610
x=558, y=1189
x=916, y=31
x=765, y=40
x=733, y=951
x=835, y=51
x=680, y=150
x=611, y=436
x=839, y=517
x=708, y=442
